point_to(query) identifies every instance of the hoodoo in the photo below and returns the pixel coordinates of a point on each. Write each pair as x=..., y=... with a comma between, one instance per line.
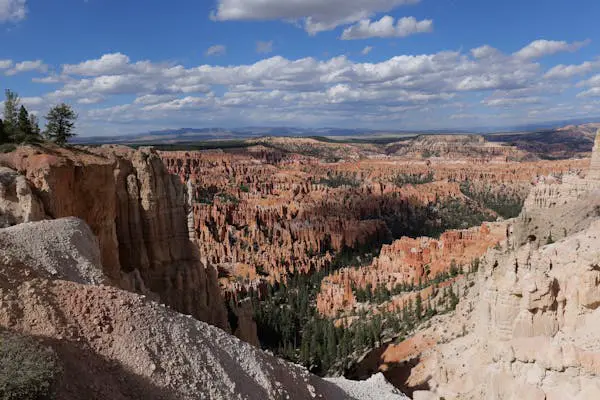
x=594, y=172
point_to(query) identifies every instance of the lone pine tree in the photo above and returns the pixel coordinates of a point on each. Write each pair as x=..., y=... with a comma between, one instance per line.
x=61, y=124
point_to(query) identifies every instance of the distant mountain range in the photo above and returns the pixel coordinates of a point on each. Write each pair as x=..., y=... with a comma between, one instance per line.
x=188, y=135
x=183, y=135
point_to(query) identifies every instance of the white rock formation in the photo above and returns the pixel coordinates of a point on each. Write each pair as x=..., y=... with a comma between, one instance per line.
x=17, y=202
x=532, y=318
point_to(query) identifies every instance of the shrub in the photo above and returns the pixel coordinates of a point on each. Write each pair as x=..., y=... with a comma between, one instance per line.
x=7, y=148
x=28, y=370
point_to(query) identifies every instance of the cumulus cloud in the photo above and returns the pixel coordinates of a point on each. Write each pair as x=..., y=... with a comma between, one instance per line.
x=593, y=92
x=216, y=50
x=568, y=71
x=386, y=27
x=27, y=66
x=91, y=100
x=366, y=50
x=316, y=15
x=510, y=101
x=264, y=47
x=12, y=10
x=594, y=87
x=307, y=90
x=485, y=52
x=414, y=76
x=32, y=101
x=541, y=48
x=114, y=63
x=149, y=99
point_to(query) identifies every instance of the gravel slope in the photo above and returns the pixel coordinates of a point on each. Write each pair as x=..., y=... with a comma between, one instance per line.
x=115, y=344
x=374, y=388
x=61, y=249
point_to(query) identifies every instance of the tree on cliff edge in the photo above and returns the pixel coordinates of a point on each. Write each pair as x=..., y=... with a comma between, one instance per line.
x=61, y=124
x=4, y=138
x=11, y=114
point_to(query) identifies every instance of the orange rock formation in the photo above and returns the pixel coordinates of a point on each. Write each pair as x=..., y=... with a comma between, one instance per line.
x=408, y=261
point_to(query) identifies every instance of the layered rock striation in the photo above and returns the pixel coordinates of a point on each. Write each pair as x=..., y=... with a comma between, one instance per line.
x=408, y=261
x=138, y=212
x=527, y=327
x=594, y=172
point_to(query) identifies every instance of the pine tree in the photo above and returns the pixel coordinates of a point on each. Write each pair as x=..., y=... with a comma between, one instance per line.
x=11, y=115
x=418, y=307
x=4, y=138
x=35, y=125
x=24, y=131
x=61, y=123
x=331, y=344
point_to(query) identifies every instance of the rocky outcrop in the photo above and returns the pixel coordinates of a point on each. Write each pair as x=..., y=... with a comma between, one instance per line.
x=139, y=214
x=527, y=328
x=594, y=172
x=17, y=202
x=457, y=147
x=532, y=327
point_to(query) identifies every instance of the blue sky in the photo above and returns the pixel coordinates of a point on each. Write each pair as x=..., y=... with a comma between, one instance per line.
x=132, y=66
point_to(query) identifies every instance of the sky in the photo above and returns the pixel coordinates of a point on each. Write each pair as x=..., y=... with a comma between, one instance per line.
x=134, y=66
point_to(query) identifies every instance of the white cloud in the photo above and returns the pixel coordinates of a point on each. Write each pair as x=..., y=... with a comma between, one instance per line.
x=150, y=99
x=12, y=10
x=366, y=50
x=316, y=15
x=594, y=84
x=32, y=101
x=107, y=64
x=27, y=66
x=485, y=51
x=264, y=47
x=386, y=28
x=91, y=100
x=593, y=92
x=216, y=50
x=541, y=48
x=6, y=64
x=308, y=90
x=510, y=101
x=568, y=71
x=51, y=79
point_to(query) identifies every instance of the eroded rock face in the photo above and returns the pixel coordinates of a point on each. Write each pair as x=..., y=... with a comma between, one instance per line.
x=533, y=330
x=533, y=316
x=409, y=261
x=458, y=147
x=17, y=202
x=138, y=212
x=594, y=172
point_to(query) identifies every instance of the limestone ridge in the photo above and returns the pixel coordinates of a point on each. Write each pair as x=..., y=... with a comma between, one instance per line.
x=527, y=329
x=136, y=209
x=594, y=173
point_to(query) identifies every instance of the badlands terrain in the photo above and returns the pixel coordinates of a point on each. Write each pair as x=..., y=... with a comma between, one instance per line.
x=446, y=266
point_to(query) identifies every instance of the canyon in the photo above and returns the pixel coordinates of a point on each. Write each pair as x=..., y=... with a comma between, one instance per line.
x=450, y=247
